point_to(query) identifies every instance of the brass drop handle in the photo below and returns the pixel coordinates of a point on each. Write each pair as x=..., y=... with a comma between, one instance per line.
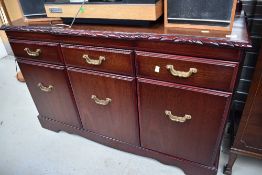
x=45, y=88
x=33, y=53
x=177, y=118
x=181, y=74
x=94, y=61
x=101, y=102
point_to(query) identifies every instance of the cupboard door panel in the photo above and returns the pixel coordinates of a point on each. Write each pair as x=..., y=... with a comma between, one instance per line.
x=48, y=85
x=107, y=104
x=181, y=121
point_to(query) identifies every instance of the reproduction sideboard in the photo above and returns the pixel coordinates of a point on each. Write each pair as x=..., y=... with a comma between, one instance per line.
x=150, y=91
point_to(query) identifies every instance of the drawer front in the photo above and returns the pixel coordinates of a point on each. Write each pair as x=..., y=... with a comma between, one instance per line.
x=48, y=85
x=98, y=58
x=36, y=50
x=187, y=70
x=107, y=104
x=181, y=121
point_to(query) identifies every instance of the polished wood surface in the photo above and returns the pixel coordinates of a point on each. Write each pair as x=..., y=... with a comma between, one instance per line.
x=189, y=140
x=115, y=60
x=207, y=75
x=57, y=104
x=238, y=38
x=49, y=52
x=118, y=119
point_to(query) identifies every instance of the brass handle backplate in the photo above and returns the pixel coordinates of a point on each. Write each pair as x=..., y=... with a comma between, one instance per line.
x=33, y=53
x=177, y=118
x=94, y=61
x=181, y=74
x=101, y=102
x=45, y=88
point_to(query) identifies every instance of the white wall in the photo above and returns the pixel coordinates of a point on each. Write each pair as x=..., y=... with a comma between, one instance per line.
x=3, y=52
x=5, y=42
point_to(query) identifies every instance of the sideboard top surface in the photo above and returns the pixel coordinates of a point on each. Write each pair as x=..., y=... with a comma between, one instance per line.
x=239, y=37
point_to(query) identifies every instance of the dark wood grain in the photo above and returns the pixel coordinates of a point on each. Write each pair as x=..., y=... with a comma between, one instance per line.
x=116, y=60
x=119, y=118
x=58, y=103
x=248, y=140
x=208, y=71
x=189, y=140
x=49, y=51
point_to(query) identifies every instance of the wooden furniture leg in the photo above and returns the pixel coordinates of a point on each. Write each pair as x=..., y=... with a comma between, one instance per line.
x=228, y=167
x=20, y=76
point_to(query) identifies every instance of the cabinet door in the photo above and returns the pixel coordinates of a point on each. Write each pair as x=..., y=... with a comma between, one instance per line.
x=251, y=123
x=48, y=85
x=107, y=104
x=182, y=121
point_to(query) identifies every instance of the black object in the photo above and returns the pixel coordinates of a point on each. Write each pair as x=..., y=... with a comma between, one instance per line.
x=103, y=2
x=33, y=8
x=138, y=23
x=202, y=12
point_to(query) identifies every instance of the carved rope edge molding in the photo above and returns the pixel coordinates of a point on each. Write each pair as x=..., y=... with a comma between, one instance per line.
x=130, y=36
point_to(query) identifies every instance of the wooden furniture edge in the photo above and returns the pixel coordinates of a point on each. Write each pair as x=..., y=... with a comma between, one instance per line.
x=245, y=153
x=171, y=38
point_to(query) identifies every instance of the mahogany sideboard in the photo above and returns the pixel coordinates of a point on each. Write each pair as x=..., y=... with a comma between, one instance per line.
x=151, y=91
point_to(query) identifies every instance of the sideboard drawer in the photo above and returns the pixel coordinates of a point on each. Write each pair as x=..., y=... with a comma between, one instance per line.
x=107, y=104
x=181, y=121
x=49, y=87
x=36, y=50
x=98, y=58
x=187, y=70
